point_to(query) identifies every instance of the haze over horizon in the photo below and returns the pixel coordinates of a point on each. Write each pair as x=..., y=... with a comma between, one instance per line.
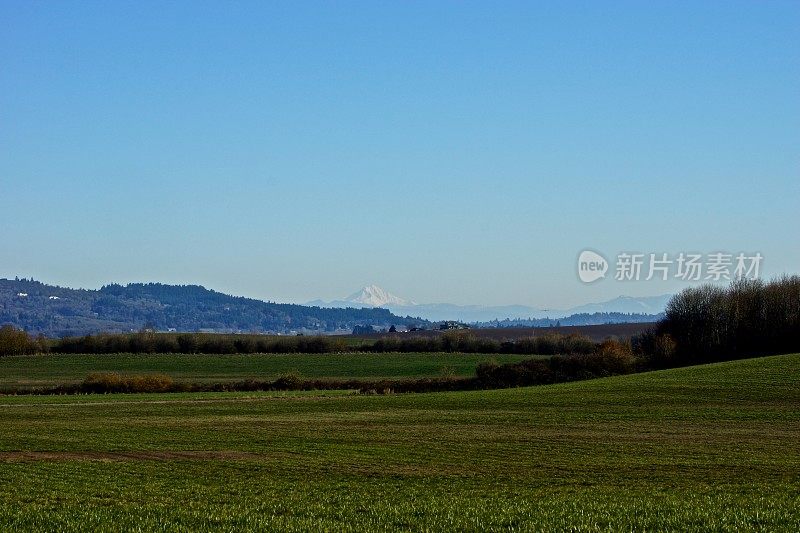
x=454, y=153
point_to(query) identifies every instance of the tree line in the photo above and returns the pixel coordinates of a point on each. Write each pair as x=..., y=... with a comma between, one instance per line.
x=748, y=318
x=17, y=342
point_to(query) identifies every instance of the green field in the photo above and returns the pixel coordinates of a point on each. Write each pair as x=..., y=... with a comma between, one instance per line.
x=50, y=370
x=713, y=447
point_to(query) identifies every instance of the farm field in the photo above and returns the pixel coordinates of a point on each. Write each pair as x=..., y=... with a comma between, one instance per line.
x=595, y=333
x=698, y=448
x=30, y=371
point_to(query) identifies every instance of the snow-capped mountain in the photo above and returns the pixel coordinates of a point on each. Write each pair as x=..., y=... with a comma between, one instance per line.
x=375, y=296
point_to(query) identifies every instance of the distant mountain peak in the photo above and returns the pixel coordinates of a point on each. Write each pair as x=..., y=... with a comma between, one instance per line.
x=377, y=297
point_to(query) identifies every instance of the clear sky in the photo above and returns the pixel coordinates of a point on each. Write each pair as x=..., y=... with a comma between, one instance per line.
x=457, y=152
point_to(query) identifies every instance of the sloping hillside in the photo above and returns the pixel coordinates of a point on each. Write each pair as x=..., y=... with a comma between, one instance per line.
x=57, y=311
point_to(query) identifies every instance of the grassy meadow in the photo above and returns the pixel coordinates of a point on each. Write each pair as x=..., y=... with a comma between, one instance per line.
x=714, y=447
x=29, y=371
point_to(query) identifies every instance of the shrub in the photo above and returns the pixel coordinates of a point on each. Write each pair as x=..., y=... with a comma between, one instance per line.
x=529, y=372
x=289, y=381
x=17, y=342
x=613, y=359
x=102, y=382
x=109, y=382
x=656, y=351
x=447, y=371
x=551, y=344
x=616, y=355
x=485, y=371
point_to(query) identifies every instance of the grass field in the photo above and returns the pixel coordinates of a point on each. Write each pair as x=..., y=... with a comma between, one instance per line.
x=714, y=447
x=49, y=370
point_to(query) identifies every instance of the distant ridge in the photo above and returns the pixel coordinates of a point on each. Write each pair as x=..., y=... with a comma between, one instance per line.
x=58, y=311
x=640, y=309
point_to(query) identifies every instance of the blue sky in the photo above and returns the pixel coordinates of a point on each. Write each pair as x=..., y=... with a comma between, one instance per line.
x=462, y=152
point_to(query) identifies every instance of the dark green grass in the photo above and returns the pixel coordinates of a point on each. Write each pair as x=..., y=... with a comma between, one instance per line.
x=51, y=370
x=704, y=448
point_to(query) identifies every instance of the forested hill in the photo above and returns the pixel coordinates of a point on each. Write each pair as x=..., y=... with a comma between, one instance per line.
x=57, y=311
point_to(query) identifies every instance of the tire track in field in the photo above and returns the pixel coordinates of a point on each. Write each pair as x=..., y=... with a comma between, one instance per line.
x=243, y=399
x=131, y=455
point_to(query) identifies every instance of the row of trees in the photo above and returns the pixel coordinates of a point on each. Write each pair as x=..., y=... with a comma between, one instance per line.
x=150, y=342
x=711, y=323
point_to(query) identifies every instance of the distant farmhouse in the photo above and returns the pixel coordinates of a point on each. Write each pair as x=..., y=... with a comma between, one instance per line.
x=452, y=324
